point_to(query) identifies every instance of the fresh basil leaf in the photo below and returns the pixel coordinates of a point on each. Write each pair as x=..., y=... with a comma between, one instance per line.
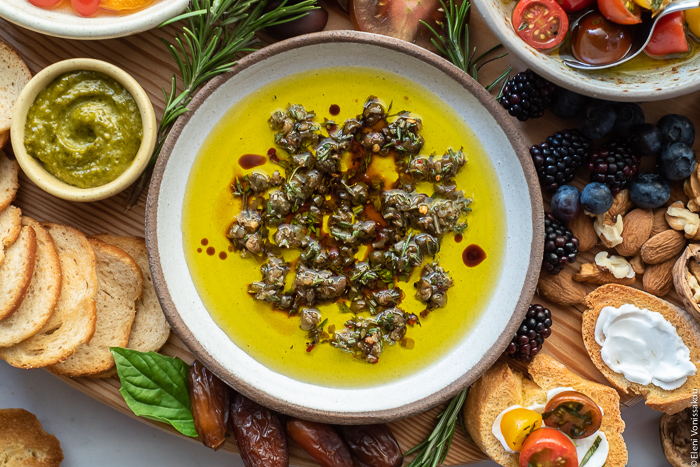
x=155, y=386
x=591, y=451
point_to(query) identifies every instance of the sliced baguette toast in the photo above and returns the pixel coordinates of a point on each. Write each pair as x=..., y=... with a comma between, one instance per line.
x=150, y=330
x=73, y=321
x=14, y=76
x=9, y=180
x=42, y=296
x=688, y=329
x=120, y=284
x=501, y=387
x=10, y=226
x=16, y=272
x=23, y=441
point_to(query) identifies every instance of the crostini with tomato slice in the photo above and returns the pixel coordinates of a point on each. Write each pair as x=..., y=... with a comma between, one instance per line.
x=556, y=418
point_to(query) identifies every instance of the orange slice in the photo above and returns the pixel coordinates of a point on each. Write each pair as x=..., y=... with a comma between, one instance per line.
x=119, y=5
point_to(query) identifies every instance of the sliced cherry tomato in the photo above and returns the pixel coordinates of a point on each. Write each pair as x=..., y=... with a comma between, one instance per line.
x=548, y=447
x=85, y=7
x=543, y=24
x=397, y=18
x=597, y=41
x=575, y=5
x=517, y=424
x=44, y=3
x=668, y=37
x=620, y=11
x=573, y=413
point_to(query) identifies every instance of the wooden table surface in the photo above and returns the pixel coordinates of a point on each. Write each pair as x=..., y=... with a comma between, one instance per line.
x=145, y=58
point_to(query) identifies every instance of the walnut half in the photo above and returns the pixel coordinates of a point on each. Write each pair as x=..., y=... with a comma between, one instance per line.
x=686, y=279
x=681, y=219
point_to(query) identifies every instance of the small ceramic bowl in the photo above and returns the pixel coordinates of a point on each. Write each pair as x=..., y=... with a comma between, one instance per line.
x=662, y=81
x=63, y=22
x=469, y=355
x=35, y=170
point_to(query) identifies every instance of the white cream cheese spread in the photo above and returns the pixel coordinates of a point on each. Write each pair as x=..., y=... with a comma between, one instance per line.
x=643, y=346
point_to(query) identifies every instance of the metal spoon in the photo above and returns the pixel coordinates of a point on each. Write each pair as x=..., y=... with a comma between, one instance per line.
x=642, y=36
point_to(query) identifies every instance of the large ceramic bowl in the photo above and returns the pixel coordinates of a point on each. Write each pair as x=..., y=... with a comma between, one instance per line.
x=623, y=83
x=66, y=24
x=469, y=357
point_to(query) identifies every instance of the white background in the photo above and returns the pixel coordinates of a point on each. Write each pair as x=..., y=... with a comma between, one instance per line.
x=93, y=434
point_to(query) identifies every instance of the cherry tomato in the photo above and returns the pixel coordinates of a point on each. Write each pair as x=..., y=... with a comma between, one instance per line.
x=548, y=447
x=597, y=41
x=517, y=424
x=543, y=24
x=575, y=5
x=620, y=11
x=44, y=3
x=397, y=18
x=85, y=7
x=692, y=18
x=668, y=36
x=573, y=413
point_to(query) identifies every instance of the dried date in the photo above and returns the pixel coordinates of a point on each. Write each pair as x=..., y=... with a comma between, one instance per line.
x=372, y=445
x=320, y=441
x=209, y=397
x=259, y=434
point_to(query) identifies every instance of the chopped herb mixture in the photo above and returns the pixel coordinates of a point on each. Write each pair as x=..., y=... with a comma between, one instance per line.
x=330, y=215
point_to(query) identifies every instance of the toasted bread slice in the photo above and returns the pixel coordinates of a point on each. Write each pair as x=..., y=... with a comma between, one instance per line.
x=10, y=225
x=73, y=321
x=23, y=441
x=501, y=387
x=150, y=330
x=687, y=328
x=42, y=296
x=120, y=284
x=9, y=179
x=14, y=76
x=16, y=272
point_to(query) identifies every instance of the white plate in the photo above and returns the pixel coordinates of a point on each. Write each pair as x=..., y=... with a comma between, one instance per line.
x=68, y=25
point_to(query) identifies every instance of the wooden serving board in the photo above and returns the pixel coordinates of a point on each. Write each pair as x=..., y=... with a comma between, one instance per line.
x=145, y=58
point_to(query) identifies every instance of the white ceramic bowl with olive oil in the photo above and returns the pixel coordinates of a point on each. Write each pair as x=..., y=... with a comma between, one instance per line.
x=203, y=283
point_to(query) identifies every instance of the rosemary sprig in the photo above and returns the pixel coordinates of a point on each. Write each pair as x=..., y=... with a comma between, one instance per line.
x=432, y=451
x=214, y=34
x=453, y=43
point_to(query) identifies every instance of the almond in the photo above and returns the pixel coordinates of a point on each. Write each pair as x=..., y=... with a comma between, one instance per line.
x=658, y=278
x=663, y=246
x=582, y=228
x=590, y=272
x=561, y=288
x=660, y=223
x=637, y=230
x=637, y=264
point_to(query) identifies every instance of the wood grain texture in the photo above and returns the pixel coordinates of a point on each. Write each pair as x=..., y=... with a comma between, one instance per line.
x=145, y=57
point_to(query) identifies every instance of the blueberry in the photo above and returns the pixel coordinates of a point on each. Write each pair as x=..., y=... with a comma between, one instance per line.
x=566, y=202
x=675, y=128
x=649, y=190
x=645, y=140
x=596, y=198
x=628, y=115
x=567, y=104
x=597, y=119
x=676, y=161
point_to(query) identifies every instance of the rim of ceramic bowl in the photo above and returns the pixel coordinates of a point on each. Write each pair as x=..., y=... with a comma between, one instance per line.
x=35, y=170
x=94, y=28
x=534, y=262
x=599, y=84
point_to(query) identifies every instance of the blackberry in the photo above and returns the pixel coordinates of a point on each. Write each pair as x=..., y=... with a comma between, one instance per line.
x=560, y=245
x=614, y=165
x=558, y=158
x=530, y=337
x=526, y=95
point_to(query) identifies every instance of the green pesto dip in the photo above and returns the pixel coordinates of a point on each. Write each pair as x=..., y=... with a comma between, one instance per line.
x=85, y=128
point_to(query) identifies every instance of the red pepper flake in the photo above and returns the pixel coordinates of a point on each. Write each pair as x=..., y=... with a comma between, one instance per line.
x=310, y=347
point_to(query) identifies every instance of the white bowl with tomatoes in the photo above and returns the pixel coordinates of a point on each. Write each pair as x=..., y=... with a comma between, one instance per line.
x=90, y=19
x=537, y=31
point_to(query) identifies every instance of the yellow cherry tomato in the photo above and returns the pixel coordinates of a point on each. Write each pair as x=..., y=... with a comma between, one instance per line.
x=692, y=17
x=517, y=424
x=644, y=3
x=124, y=4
